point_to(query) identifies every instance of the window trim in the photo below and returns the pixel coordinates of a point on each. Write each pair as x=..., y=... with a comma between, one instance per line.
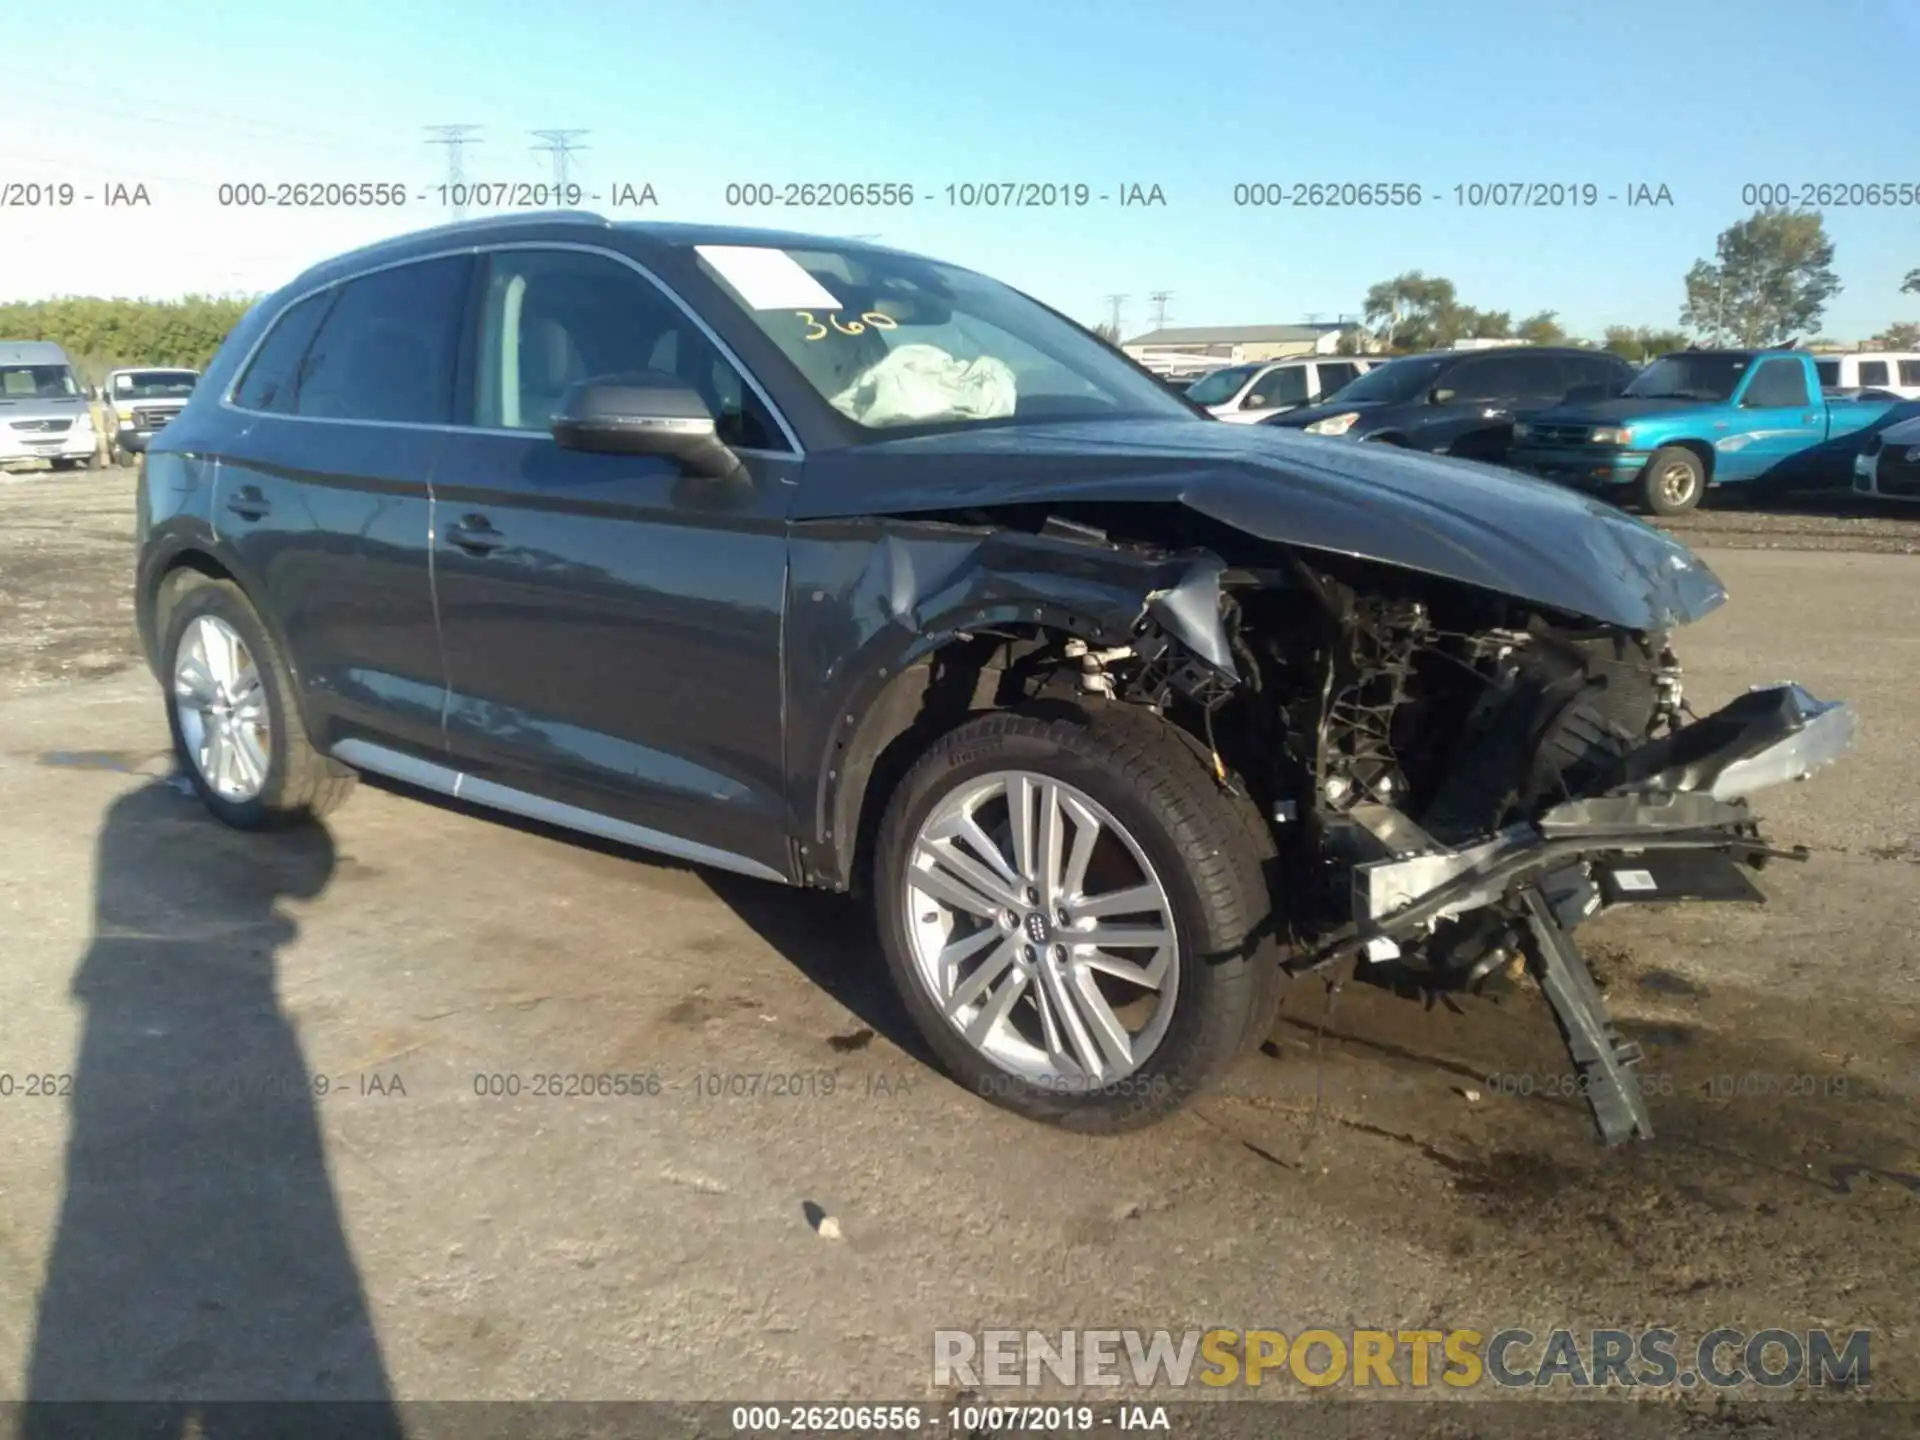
x=227, y=402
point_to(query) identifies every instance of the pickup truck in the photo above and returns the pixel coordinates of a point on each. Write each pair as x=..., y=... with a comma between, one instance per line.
x=1751, y=418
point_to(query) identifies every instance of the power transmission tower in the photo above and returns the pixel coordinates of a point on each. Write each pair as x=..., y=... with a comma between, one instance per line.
x=559, y=145
x=1160, y=298
x=1115, y=301
x=455, y=138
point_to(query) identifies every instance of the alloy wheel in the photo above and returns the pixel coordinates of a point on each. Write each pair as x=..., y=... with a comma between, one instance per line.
x=222, y=708
x=1676, y=483
x=1040, y=929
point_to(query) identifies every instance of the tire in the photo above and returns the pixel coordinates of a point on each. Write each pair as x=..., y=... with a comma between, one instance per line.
x=1209, y=854
x=1673, y=482
x=62, y=462
x=298, y=782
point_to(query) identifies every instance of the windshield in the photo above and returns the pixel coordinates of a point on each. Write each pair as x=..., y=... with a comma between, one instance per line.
x=153, y=384
x=894, y=341
x=36, y=382
x=1690, y=377
x=1222, y=385
x=1394, y=382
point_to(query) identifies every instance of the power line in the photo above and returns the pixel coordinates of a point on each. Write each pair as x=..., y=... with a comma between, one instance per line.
x=456, y=138
x=559, y=145
x=1160, y=298
x=1115, y=301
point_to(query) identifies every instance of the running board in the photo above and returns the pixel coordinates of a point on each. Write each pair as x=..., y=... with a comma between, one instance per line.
x=412, y=770
x=1603, y=1060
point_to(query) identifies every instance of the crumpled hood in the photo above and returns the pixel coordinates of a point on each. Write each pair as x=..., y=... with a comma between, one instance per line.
x=1473, y=523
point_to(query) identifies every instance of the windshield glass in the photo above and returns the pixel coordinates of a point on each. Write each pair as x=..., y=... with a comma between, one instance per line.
x=1690, y=377
x=1395, y=382
x=36, y=382
x=153, y=384
x=1222, y=385
x=894, y=341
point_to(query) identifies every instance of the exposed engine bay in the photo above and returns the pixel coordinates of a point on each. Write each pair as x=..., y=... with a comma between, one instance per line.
x=1457, y=779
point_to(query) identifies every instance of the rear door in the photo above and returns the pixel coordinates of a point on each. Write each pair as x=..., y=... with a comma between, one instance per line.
x=322, y=498
x=1330, y=375
x=1781, y=422
x=1476, y=423
x=612, y=628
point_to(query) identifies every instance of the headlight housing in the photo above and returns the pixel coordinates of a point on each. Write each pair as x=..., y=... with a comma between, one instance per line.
x=83, y=423
x=1521, y=430
x=1610, y=435
x=1334, y=424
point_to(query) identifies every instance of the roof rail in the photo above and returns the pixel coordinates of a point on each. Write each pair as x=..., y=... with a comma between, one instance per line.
x=456, y=227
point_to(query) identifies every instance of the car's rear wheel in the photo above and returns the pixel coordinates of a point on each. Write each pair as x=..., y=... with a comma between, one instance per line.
x=1077, y=917
x=230, y=704
x=1673, y=481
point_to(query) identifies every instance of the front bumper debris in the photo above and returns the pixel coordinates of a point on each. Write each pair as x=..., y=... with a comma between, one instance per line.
x=1686, y=792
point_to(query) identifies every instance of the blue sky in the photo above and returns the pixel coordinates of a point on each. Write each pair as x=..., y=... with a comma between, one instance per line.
x=1702, y=96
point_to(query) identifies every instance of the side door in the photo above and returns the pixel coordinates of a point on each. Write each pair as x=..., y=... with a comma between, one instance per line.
x=612, y=628
x=323, y=497
x=1475, y=421
x=1780, y=420
x=1281, y=387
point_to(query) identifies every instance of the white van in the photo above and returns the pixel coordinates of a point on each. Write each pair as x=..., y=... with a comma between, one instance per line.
x=1248, y=394
x=43, y=409
x=1895, y=370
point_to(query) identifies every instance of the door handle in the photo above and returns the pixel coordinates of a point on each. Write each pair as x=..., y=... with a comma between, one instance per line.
x=475, y=534
x=249, y=504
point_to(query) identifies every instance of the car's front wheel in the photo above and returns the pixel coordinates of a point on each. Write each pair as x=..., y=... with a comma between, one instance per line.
x=1076, y=915
x=1673, y=481
x=230, y=703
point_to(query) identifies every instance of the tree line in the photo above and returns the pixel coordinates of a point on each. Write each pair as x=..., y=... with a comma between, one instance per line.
x=1769, y=281
x=101, y=335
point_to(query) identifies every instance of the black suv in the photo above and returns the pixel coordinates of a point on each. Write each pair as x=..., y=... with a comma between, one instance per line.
x=1460, y=402
x=841, y=567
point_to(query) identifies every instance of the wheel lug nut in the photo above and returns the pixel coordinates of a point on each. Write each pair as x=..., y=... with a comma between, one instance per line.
x=1033, y=896
x=1060, y=953
x=1031, y=956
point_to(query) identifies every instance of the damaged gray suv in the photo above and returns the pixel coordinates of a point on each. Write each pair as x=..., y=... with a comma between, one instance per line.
x=840, y=567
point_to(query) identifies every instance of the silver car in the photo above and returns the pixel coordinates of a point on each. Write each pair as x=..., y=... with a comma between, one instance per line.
x=43, y=409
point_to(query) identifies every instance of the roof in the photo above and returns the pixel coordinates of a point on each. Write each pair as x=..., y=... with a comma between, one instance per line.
x=1495, y=351
x=1236, y=334
x=675, y=234
x=31, y=352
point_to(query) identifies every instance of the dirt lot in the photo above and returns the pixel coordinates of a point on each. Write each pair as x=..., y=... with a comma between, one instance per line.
x=403, y=1234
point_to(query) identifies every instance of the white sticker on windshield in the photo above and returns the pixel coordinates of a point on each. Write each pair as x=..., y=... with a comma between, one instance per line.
x=1634, y=880
x=767, y=279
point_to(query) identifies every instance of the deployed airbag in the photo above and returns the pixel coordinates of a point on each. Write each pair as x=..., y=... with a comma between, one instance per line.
x=921, y=384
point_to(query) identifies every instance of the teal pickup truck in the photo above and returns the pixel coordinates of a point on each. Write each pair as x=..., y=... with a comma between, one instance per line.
x=1752, y=418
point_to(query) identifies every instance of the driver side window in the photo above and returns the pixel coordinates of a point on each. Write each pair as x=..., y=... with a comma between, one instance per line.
x=552, y=318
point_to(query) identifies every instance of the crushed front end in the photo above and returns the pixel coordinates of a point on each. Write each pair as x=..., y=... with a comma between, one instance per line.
x=1459, y=779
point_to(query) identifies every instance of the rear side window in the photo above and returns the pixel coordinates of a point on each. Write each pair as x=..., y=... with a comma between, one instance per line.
x=1503, y=377
x=1333, y=376
x=1829, y=372
x=1777, y=384
x=386, y=350
x=269, y=383
x=1910, y=372
x=1873, y=372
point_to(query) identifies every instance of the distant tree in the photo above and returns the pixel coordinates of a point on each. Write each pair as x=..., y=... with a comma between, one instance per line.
x=1642, y=344
x=1771, y=279
x=1407, y=311
x=1904, y=335
x=1351, y=342
x=1108, y=331
x=105, y=335
x=1542, y=329
x=1911, y=285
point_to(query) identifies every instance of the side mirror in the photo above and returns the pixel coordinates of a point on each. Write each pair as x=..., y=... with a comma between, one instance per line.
x=643, y=414
x=1441, y=395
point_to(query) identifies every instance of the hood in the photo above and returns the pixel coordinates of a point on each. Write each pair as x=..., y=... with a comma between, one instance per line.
x=1617, y=411
x=41, y=407
x=1463, y=521
x=1906, y=432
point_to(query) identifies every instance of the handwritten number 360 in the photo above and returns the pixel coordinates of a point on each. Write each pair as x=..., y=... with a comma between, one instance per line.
x=820, y=331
